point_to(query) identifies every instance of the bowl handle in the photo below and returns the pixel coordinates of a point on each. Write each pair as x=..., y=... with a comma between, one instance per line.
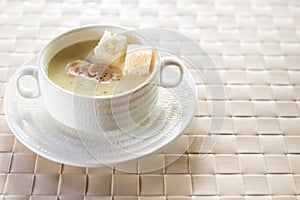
x=28, y=70
x=165, y=63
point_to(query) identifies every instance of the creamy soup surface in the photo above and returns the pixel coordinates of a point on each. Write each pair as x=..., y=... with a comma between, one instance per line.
x=79, y=84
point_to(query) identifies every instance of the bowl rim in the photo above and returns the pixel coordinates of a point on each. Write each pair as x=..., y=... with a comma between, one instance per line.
x=104, y=27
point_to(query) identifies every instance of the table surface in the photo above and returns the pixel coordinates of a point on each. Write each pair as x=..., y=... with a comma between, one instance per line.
x=255, y=46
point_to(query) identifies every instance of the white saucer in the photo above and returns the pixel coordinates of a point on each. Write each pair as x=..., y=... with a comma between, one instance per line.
x=35, y=128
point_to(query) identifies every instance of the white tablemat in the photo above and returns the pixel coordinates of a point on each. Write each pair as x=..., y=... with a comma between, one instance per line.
x=255, y=45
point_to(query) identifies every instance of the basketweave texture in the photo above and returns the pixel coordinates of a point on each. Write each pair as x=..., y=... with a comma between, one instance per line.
x=255, y=46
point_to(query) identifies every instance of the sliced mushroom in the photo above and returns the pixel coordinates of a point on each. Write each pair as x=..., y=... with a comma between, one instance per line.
x=112, y=73
x=104, y=73
x=77, y=67
x=100, y=72
x=96, y=69
x=115, y=72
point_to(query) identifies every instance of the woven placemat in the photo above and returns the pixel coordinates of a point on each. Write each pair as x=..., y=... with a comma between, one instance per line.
x=255, y=46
